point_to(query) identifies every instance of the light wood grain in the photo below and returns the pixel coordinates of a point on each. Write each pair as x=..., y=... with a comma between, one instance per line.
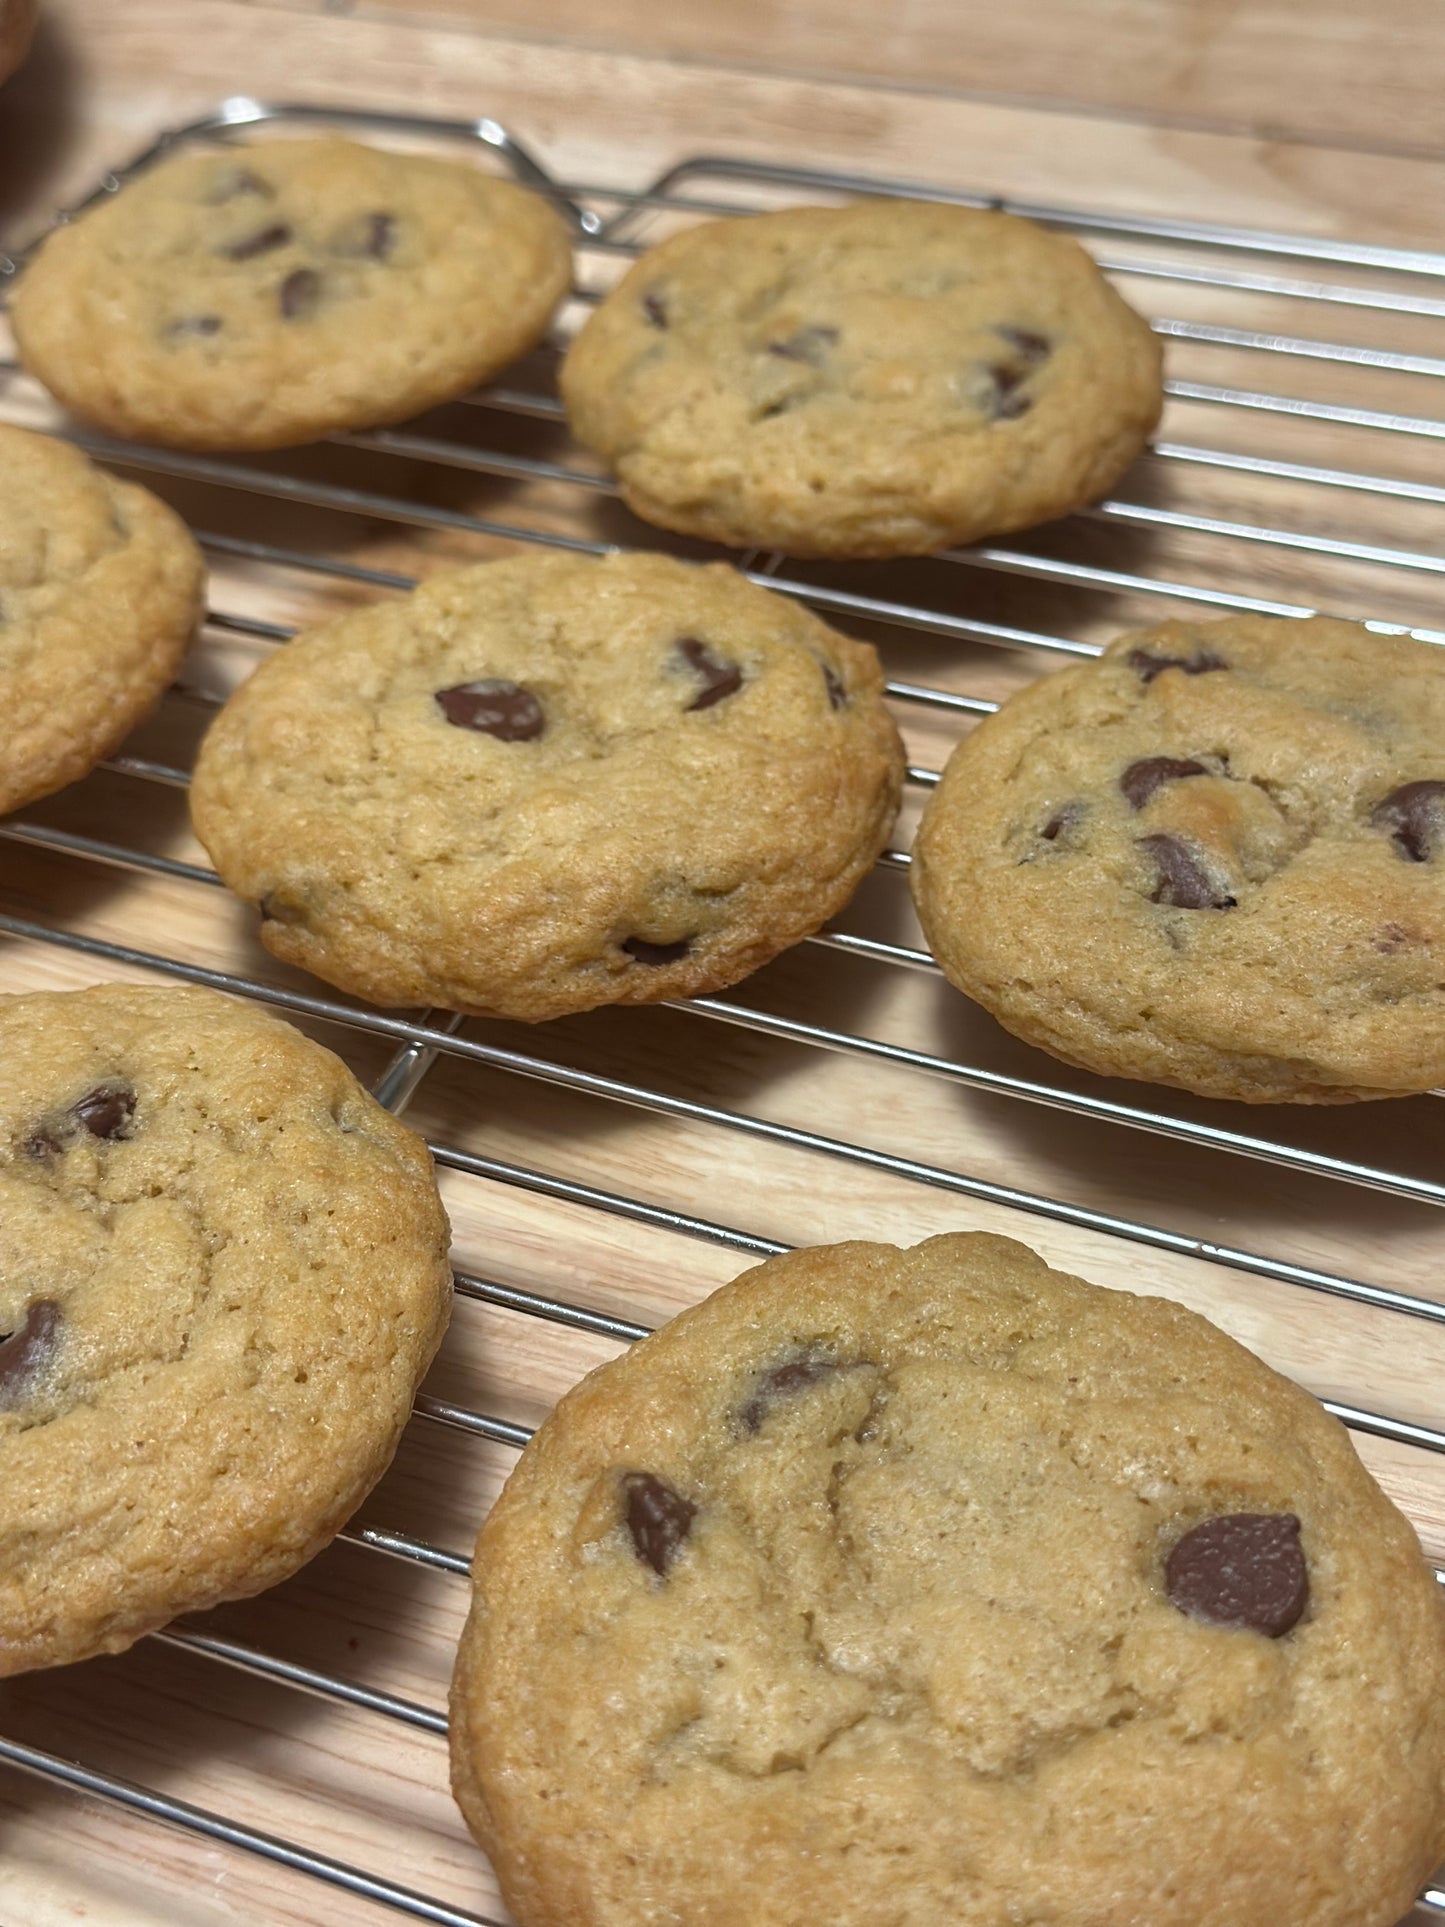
x=351, y=1784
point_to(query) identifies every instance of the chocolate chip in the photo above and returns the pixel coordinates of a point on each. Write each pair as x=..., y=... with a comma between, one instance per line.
x=43, y=1142
x=264, y=241
x=105, y=1112
x=1415, y=815
x=1006, y=403
x=195, y=324
x=658, y=1519
x=783, y=1382
x=1028, y=346
x=720, y=677
x=507, y=710
x=1392, y=937
x=1062, y=822
x=235, y=182
x=1146, y=665
x=806, y=344
x=643, y=952
x=299, y=293
x=1243, y=1569
x=26, y=1350
x=1141, y=779
x=1182, y=880
x=373, y=235
x=837, y=694
x=652, y=307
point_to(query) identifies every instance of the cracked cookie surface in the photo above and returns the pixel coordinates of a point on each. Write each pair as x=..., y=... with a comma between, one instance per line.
x=100, y=593
x=222, y=1274
x=259, y=296
x=1214, y=858
x=931, y=1587
x=548, y=783
x=879, y=379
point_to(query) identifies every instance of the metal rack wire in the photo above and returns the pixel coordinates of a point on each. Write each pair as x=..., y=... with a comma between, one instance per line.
x=1217, y=264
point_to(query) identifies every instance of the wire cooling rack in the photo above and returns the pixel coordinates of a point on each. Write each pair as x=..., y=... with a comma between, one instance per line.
x=844, y=1088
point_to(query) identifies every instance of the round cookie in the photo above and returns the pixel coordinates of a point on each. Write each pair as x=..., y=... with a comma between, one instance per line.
x=262, y=295
x=879, y=379
x=1213, y=858
x=222, y=1274
x=100, y=592
x=548, y=783
x=933, y=1587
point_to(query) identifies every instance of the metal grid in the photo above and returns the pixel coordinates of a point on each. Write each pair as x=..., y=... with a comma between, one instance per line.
x=611, y=225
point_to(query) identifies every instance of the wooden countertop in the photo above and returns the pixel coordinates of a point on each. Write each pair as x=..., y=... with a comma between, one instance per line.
x=1324, y=121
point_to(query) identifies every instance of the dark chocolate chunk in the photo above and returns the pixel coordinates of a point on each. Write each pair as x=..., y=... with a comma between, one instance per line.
x=264, y=241
x=653, y=308
x=643, y=952
x=1415, y=816
x=782, y=1382
x=507, y=710
x=1244, y=1569
x=1062, y=822
x=1028, y=346
x=371, y=235
x=299, y=293
x=658, y=1518
x=195, y=324
x=26, y=1350
x=1182, y=879
x=806, y=344
x=1146, y=665
x=1141, y=779
x=719, y=676
x=837, y=693
x=106, y=1112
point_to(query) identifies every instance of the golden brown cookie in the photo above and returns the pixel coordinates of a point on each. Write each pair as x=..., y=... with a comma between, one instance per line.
x=260, y=296
x=100, y=593
x=1213, y=858
x=222, y=1274
x=934, y=1587
x=553, y=782
x=879, y=379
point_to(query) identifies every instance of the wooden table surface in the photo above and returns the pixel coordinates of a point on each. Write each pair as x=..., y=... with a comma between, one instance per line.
x=1324, y=121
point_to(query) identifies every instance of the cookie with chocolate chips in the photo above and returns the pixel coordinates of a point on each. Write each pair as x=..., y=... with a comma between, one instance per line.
x=1213, y=858
x=222, y=1274
x=879, y=379
x=543, y=784
x=100, y=594
x=261, y=295
x=935, y=1586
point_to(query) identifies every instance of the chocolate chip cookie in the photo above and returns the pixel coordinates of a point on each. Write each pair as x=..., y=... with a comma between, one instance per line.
x=934, y=1586
x=1213, y=858
x=552, y=782
x=262, y=295
x=100, y=593
x=880, y=379
x=222, y=1273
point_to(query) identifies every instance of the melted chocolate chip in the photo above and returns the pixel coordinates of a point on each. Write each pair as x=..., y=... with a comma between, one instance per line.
x=1245, y=1569
x=372, y=236
x=837, y=694
x=643, y=952
x=719, y=676
x=26, y=1350
x=1007, y=403
x=105, y=1112
x=1062, y=822
x=658, y=1519
x=652, y=307
x=507, y=710
x=1182, y=879
x=1028, y=346
x=195, y=324
x=299, y=293
x=1146, y=665
x=1141, y=779
x=783, y=1382
x=807, y=344
x=264, y=241
x=1415, y=816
